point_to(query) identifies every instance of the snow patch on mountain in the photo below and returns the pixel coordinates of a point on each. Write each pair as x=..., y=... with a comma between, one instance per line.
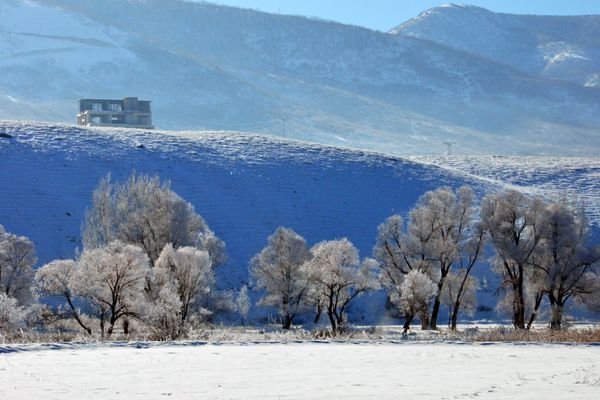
x=556, y=47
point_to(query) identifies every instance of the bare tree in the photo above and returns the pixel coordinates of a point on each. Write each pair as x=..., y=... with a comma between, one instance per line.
x=565, y=260
x=164, y=314
x=470, y=248
x=417, y=291
x=145, y=212
x=54, y=280
x=12, y=316
x=440, y=234
x=337, y=275
x=17, y=257
x=242, y=304
x=113, y=279
x=278, y=269
x=189, y=274
x=512, y=222
x=390, y=252
x=460, y=293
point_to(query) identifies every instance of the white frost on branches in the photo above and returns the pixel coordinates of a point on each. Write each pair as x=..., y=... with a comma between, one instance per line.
x=279, y=270
x=338, y=277
x=17, y=257
x=12, y=316
x=113, y=279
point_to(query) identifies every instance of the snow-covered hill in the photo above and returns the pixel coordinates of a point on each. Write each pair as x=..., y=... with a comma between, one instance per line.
x=247, y=185
x=550, y=177
x=244, y=185
x=557, y=47
x=214, y=67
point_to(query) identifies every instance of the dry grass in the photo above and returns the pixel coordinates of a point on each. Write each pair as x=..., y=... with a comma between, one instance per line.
x=545, y=335
x=240, y=334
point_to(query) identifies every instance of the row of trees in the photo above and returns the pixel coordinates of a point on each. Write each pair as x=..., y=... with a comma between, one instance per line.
x=327, y=277
x=541, y=252
x=149, y=257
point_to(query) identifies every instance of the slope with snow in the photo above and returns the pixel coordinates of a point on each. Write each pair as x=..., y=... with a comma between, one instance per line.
x=550, y=177
x=556, y=47
x=213, y=67
x=302, y=371
x=244, y=185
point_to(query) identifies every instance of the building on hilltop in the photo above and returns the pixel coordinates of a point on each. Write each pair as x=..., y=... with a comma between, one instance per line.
x=127, y=113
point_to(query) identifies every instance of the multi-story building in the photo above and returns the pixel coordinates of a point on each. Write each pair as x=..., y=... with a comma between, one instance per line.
x=127, y=113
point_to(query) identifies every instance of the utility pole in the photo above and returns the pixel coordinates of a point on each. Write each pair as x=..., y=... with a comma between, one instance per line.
x=449, y=143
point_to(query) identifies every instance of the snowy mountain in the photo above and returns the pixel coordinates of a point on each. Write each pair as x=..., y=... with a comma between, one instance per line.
x=556, y=47
x=213, y=67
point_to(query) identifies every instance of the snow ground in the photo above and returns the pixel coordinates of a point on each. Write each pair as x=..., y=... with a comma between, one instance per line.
x=433, y=370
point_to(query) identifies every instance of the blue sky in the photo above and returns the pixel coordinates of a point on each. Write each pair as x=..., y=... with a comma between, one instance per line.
x=385, y=14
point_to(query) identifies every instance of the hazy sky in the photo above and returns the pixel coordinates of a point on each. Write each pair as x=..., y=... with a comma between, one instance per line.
x=386, y=14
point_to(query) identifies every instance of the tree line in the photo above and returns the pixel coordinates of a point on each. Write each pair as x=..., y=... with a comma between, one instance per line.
x=149, y=259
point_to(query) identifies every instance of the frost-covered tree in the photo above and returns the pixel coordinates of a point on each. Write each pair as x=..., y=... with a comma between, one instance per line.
x=113, y=279
x=512, y=222
x=391, y=253
x=460, y=290
x=145, y=212
x=440, y=234
x=441, y=221
x=470, y=248
x=12, y=316
x=17, y=257
x=164, y=314
x=242, y=304
x=565, y=262
x=53, y=280
x=417, y=291
x=188, y=273
x=336, y=273
x=278, y=269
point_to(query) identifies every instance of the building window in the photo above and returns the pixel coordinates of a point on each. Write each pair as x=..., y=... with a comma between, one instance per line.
x=96, y=106
x=114, y=107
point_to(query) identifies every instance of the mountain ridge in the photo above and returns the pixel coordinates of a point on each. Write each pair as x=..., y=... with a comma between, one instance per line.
x=210, y=67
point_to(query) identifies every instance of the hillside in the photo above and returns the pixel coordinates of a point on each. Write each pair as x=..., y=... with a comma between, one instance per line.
x=244, y=185
x=221, y=68
x=247, y=185
x=556, y=47
x=550, y=177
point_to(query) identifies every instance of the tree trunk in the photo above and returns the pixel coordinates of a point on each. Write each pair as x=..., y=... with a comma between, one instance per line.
x=437, y=302
x=557, y=313
x=425, y=321
x=435, y=311
x=538, y=301
x=126, y=327
x=76, y=316
x=102, y=323
x=332, y=320
x=407, y=321
x=319, y=312
x=454, y=316
x=519, y=301
x=287, y=322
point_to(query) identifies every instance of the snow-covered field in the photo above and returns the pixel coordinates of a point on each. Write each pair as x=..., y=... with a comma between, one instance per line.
x=433, y=370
